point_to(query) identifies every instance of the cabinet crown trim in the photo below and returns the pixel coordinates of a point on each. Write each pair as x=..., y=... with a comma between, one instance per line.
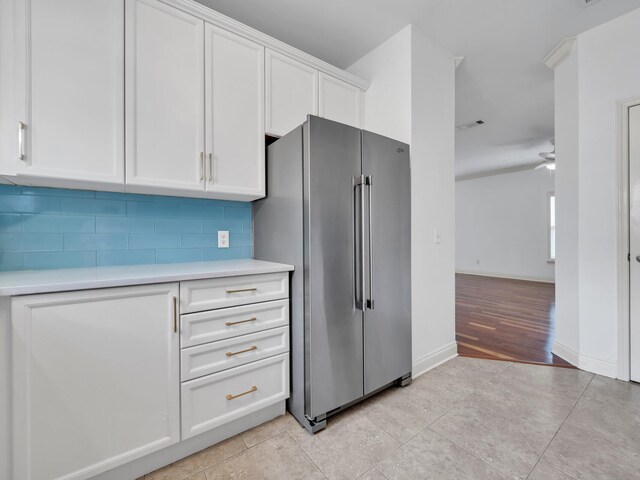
x=228, y=23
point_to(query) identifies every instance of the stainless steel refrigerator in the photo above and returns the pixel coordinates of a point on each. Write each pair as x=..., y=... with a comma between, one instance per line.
x=338, y=208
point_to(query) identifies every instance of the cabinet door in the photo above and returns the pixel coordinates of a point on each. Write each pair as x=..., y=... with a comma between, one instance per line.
x=234, y=73
x=339, y=101
x=96, y=379
x=165, y=97
x=292, y=93
x=68, y=90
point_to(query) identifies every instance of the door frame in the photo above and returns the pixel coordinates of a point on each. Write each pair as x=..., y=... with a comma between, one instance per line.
x=624, y=270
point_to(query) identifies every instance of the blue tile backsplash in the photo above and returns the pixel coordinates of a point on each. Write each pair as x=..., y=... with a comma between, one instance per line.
x=44, y=228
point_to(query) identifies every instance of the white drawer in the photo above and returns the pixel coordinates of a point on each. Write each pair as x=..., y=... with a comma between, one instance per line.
x=214, y=325
x=217, y=356
x=211, y=401
x=200, y=295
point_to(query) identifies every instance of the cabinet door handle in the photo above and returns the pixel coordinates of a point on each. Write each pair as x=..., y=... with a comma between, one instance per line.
x=252, y=319
x=242, y=290
x=201, y=166
x=210, y=167
x=250, y=349
x=21, y=137
x=175, y=314
x=251, y=390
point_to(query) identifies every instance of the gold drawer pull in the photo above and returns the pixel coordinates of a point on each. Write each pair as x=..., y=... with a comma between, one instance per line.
x=251, y=390
x=242, y=290
x=252, y=319
x=231, y=354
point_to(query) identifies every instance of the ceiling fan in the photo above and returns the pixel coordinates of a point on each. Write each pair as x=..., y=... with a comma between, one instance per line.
x=549, y=158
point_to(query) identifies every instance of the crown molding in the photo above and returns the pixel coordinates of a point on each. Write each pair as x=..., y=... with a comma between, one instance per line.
x=229, y=24
x=560, y=53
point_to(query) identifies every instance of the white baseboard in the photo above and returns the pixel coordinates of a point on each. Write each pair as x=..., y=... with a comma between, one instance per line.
x=529, y=278
x=601, y=367
x=583, y=362
x=566, y=353
x=433, y=359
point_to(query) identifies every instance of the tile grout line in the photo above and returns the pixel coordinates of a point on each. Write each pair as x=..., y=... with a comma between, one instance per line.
x=447, y=410
x=307, y=455
x=558, y=430
x=493, y=467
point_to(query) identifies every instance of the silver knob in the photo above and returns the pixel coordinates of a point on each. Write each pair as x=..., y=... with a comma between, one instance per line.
x=637, y=258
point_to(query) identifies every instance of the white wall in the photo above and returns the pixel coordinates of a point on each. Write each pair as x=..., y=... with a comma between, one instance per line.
x=501, y=222
x=604, y=70
x=412, y=98
x=567, y=241
x=387, y=106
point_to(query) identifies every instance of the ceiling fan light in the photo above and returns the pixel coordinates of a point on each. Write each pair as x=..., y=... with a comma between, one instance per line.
x=551, y=166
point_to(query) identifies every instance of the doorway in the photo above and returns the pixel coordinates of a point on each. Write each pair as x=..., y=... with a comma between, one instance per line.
x=634, y=241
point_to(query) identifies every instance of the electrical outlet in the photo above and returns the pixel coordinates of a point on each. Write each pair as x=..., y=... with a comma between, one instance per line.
x=223, y=239
x=437, y=237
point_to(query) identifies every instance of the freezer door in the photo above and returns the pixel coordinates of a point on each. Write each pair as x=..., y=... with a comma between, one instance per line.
x=387, y=321
x=333, y=325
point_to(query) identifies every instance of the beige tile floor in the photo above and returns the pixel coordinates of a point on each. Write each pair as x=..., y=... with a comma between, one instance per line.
x=467, y=419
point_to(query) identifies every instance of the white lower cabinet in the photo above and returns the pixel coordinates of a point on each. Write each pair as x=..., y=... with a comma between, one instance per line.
x=96, y=379
x=216, y=399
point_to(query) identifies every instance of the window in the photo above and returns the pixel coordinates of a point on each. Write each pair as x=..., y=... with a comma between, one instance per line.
x=551, y=231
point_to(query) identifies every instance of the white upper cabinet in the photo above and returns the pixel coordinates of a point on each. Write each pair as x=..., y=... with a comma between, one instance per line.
x=291, y=93
x=340, y=101
x=165, y=97
x=68, y=91
x=95, y=379
x=234, y=99
x=152, y=96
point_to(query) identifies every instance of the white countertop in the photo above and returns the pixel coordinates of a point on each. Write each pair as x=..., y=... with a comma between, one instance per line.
x=45, y=281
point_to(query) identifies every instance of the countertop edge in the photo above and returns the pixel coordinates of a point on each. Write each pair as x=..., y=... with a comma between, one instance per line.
x=123, y=280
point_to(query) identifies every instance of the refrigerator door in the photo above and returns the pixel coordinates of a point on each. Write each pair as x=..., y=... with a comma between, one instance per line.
x=387, y=321
x=333, y=325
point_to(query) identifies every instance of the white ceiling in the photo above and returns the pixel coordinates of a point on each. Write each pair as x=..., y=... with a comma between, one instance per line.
x=501, y=81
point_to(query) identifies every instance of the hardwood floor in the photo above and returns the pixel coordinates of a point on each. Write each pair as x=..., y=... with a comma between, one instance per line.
x=506, y=319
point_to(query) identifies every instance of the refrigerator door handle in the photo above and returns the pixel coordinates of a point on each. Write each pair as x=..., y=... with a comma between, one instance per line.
x=358, y=242
x=369, y=183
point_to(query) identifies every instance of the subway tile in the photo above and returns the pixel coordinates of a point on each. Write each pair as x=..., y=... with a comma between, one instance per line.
x=10, y=261
x=202, y=211
x=132, y=197
x=30, y=242
x=126, y=257
x=58, y=224
x=10, y=223
x=10, y=189
x=124, y=225
x=50, y=260
x=247, y=225
x=29, y=204
x=95, y=241
x=199, y=240
x=212, y=226
x=154, y=240
x=231, y=253
x=58, y=228
x=240, y=239
x=93, y=206
x=178, y=255
x=178, y=225
x=237, y=213
x=147, y=209
x=58, y=192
